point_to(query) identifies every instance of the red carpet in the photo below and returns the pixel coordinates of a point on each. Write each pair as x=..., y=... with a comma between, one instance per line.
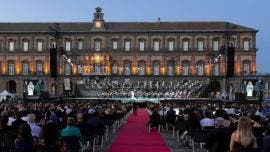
x=134, y=136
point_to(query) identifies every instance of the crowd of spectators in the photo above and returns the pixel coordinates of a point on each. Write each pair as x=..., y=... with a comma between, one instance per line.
x=107, y=88
x=49, y=126
x=221, y=127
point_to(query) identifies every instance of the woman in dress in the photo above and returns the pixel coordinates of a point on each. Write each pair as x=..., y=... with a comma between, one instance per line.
x=243, y=137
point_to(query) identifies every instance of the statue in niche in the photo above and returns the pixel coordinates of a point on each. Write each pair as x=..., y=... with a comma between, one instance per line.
x=243, y=87
x=30, y=88
x=38, y=87
x=249, y=89
x=258, y=88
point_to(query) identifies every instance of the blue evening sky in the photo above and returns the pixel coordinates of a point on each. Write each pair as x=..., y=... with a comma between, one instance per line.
x=250, y=13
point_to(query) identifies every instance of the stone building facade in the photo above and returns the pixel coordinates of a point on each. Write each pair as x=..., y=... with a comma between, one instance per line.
x=193, y=50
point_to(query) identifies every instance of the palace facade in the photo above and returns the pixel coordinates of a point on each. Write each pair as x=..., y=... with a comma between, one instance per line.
x=183, y=50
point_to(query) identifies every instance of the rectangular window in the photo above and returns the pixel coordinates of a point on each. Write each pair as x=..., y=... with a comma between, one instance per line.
x=200, y=69
x=171, y=46
x=200, y=45
x=156, y=70
x=127, y=46
x=40, y=46
x=11, y=46
x=216, y=69
x=80, y=45
x=185, y=46
x=67, y=69
x=25, y=46
x=97, y=45
x=11, y=69
x=246, y=45
x=115, y=45
x=246, y=69
x=156, y=46
x=68, y=46
x=215, y=45
x=53, y=45
x=141, y=46
x=25, y=69
x=185, y=70
x=39, y=68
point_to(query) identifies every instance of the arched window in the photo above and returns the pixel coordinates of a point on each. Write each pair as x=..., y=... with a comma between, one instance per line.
x=141, y=68
x=127, y=67
x=156, y=68
x=185, y=67
x=12, y=86
x=200, y=68
x=170, y=67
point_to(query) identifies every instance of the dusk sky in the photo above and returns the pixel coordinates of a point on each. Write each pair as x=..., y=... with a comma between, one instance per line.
x=250, y=13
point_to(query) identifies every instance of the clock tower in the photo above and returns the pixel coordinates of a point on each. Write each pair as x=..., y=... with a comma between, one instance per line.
x=98, y=22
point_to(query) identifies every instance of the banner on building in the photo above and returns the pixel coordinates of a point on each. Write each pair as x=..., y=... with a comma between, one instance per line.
x=67, y=85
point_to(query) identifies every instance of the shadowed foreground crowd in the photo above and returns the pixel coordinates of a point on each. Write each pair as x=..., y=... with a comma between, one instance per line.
x=217, y=127
x=47, y=127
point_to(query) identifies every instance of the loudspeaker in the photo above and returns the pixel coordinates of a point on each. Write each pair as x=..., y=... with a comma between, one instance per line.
x=230, y=62
x=53, y=62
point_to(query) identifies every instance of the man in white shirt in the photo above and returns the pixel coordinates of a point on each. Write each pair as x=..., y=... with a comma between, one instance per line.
x=35, y=129
x=11, y=119
x=207, y=121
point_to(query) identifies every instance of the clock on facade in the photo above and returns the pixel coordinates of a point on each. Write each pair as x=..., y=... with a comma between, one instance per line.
x=98, y=24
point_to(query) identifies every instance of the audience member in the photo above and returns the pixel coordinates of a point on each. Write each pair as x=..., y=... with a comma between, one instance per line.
x=243, y=137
